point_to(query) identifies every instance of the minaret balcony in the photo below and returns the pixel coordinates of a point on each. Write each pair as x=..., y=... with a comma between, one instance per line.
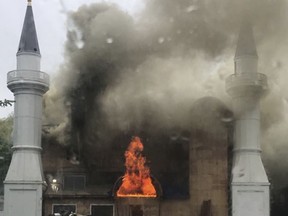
x=34, y=78
x=238, y=84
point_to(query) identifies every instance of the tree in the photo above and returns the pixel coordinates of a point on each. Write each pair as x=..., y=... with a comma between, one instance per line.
x=6, y=103
x=6, y=125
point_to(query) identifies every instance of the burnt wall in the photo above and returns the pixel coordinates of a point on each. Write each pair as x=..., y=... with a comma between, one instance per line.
x=191, y=165
x=208, y=158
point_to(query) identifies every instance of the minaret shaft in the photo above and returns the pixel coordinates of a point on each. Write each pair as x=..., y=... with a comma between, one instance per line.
x=24, y=181
x=247, y=117
x=250, y=185
x=247, y=164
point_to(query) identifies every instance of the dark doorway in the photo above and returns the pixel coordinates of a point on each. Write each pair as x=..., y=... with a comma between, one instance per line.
x=136, y=210
x=102, y=210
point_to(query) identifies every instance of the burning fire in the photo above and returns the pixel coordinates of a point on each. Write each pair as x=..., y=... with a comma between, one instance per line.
x=136, y=181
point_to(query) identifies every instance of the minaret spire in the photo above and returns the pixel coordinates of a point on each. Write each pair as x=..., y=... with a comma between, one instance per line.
x=29, y=41
x=246, y=43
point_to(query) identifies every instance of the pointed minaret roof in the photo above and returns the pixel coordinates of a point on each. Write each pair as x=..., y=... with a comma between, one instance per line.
x=29, y=41
x=246, y=43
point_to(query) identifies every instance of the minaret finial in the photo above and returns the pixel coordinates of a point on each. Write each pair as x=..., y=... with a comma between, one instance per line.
x=29, y=2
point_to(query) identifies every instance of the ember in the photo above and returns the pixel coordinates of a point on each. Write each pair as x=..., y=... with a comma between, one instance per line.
x=136, y=181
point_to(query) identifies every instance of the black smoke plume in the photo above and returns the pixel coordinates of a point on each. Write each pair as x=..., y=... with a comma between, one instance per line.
x=127, y=75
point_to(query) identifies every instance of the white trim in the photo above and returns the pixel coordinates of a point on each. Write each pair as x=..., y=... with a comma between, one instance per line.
x=102, y=204
x=64, y=204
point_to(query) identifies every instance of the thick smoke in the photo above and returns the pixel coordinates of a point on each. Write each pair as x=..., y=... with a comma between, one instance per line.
x=145, y=73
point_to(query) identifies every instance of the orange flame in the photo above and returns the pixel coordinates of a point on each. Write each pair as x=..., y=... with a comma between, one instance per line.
x=136, y=181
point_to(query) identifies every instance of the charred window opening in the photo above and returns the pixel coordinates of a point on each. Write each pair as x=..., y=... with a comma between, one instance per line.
x=64, y=209
x=74, y=182
x=171, y=166
x=102, y=210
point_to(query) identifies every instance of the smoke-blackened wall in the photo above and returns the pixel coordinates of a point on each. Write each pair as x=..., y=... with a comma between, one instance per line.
x=127, y=75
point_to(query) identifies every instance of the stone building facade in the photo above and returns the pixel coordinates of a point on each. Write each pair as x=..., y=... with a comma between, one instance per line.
x=190, y=168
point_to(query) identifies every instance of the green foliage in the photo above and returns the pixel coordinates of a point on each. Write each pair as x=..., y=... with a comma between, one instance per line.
x=5, y=148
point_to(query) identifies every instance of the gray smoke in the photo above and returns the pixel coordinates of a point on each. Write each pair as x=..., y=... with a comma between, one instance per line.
x=121, y=72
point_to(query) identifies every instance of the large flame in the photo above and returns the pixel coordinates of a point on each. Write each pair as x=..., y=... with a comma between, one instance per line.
x=136, y=181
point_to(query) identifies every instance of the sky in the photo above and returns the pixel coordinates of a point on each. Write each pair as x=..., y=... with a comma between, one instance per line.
x=51, y=24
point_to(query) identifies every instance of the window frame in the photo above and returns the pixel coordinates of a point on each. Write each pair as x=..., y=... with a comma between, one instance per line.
x=65, y=175
x=64, y=204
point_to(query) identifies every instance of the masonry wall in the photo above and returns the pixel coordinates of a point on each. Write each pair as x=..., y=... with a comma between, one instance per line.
x=207, y=168
x=209, y=159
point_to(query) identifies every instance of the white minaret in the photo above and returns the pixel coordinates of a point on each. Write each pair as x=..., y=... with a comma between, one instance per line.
x=250, y=186
x=24, y=181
